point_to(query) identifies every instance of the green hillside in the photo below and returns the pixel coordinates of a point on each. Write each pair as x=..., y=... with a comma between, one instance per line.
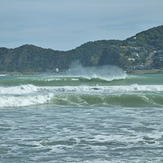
x=142, y=51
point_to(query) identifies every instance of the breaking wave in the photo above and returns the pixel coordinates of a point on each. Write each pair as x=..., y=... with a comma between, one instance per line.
x=106, y=72
x=28, y=100
x=23, y=89
x=121, y=95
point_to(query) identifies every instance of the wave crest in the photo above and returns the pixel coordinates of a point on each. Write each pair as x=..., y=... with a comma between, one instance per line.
x=106, y=72
x=28, y=100
x=124, y=96
x=22, y=89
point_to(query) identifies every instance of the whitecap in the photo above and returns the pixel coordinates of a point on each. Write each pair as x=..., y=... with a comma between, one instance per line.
x=19, y=101
x=15, y=90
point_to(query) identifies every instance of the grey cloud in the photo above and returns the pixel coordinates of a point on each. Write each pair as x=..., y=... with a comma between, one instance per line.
x=65, y=24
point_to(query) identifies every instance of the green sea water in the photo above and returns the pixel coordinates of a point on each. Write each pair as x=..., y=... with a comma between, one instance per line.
x=98, y=116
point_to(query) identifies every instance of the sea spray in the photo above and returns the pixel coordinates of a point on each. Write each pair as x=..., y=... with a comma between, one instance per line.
x=106, y=72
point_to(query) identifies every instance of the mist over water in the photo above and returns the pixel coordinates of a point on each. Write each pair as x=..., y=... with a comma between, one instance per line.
x=106, y=72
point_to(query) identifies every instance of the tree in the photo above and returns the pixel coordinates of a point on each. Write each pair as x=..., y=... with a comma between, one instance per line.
x=110, y=56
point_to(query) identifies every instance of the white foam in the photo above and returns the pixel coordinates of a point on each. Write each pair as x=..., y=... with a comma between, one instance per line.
x=3, y=74
x=107, y=89
x=18, y=101
x=23, y=89
x=26, y=95
x=74, y=79
x=26, y=89
x=136, y=88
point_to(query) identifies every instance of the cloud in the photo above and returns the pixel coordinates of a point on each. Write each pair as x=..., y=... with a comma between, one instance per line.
x=65, y=24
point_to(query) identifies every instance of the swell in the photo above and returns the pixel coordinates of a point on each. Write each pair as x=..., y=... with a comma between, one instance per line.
x=70, y=80
x=83, y=100
x=109, y=100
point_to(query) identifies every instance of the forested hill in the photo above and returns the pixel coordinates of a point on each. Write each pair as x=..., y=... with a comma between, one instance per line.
x=142, y=51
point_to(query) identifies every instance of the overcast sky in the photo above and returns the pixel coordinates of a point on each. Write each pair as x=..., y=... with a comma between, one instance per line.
x=66, y=24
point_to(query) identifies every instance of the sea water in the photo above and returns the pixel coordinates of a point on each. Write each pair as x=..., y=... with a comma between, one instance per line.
x=94, y=116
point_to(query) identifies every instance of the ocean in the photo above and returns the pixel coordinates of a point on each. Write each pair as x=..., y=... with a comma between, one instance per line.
x=86, y=115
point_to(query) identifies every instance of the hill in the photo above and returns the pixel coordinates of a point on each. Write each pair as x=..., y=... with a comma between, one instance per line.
x=139, y=52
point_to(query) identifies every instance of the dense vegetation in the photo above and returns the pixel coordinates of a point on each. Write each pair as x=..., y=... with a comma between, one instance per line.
x=142, y=51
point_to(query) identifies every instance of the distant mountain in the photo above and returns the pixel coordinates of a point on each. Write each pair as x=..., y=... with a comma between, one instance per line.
x=142, y=51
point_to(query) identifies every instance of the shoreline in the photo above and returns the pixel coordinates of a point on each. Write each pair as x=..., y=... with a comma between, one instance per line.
x=152, y=71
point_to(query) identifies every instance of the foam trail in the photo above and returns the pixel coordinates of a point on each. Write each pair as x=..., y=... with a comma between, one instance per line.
x=105, y=89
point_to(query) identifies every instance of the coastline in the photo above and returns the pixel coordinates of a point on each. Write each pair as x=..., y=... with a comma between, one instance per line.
x=151, y=71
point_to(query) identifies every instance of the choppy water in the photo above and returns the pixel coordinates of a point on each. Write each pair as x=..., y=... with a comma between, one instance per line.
x=108, y=118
